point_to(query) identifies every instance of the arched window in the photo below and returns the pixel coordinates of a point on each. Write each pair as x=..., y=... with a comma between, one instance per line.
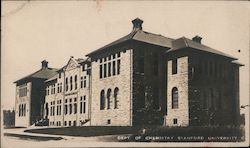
x=108, y=98
x=102, y=100
x=174, y=97
x=116, y=92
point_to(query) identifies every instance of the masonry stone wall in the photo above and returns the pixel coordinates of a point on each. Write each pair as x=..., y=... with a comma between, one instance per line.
x=122, y=116
x=23, y=121
x=78, y=93
x=180, y=81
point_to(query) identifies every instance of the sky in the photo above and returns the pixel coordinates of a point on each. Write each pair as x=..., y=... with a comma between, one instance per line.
x=55, y=30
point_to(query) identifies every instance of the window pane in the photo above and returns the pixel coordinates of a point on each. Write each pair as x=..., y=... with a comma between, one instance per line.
x=174, y=66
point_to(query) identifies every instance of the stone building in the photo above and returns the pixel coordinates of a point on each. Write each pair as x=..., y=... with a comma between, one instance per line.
x=67, y=95
x=145, y=79
x=30, y=96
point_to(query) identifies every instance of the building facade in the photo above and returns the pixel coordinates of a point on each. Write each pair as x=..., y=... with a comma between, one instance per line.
x=30, y=96
x=143, y=79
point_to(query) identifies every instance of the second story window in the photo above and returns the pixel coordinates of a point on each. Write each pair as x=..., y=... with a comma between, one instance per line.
x=114, y=72
x=118, y=66
x=75, y=105
x=109, y=69
x=71, y=83
x=105, y=70
x=75, y=81
x=174, y=66
x=110, y=66
x=100, y=71
x=23, y=90
x=84, y=82
x=67, y=84
x=58, y=88
x=81, y=82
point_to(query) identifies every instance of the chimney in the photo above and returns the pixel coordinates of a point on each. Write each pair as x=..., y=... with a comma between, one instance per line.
x=44, y=64
x=137, y=24
x=197, y=39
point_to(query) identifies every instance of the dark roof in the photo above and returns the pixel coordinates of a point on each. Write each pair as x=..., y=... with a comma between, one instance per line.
x=43, y=73
x=184, y=42
x=139, y=35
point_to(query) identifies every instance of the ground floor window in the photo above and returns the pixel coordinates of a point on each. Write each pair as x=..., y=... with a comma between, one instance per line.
x=175, y=121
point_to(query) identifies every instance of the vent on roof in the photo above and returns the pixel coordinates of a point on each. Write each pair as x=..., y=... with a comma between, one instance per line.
x=44, y=64
x=197, y=39
x=137, y=24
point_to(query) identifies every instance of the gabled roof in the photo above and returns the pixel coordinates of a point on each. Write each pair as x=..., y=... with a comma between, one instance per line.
x=139, y=35
x=184, y=42
x=51, y=78
x=43, y=73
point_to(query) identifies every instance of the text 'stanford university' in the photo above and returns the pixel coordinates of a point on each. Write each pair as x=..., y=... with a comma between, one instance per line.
x=139, y=79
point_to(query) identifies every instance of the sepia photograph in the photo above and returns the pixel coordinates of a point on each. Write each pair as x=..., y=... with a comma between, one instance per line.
x=125, y=73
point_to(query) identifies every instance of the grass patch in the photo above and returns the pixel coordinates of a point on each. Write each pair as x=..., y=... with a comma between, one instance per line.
x=86, y=131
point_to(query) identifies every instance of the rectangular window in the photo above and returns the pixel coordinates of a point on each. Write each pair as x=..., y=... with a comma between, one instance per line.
x=109, y=69
x=66, y=109
x=108, y=121
x=23, y=90
x=59, y=75
x=84, y=104
x=118, y=66
x=70, y=109
x=71, y=83
x=57, y=110
x=19, y=111
x=24, y=110
x=81, y=105
x=81, y=82
x=75, y=81
x=100, y=71
x=174, y=121
x=58, y=88
x=174, y=66
x=114, y=68
x=84, y=82
x=67, y=85
x=75, y=108
x=61, y=87
x=105, y=70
